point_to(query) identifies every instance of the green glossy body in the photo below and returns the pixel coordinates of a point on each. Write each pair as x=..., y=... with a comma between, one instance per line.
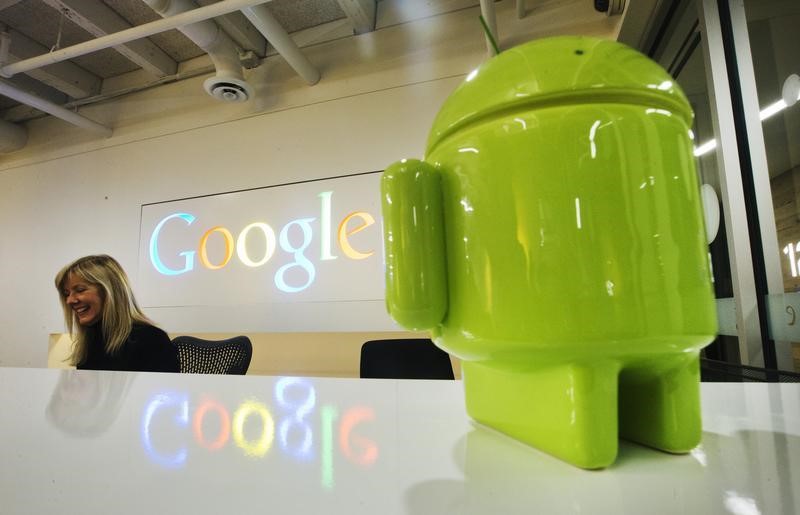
x=553, y=240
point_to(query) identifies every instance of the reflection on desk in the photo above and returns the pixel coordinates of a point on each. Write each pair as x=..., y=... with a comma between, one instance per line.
x=100, y=442
x=173, y=419
x=87, y=404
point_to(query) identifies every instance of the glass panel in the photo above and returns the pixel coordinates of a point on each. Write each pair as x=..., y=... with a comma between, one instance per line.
x=680, y=51
x=774, y=43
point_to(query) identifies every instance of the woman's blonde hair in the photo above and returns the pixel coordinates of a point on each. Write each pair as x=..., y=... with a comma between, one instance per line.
x=120, y=309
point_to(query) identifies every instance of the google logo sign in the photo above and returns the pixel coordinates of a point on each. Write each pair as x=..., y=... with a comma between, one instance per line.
x=294, y=238
x=252, y=428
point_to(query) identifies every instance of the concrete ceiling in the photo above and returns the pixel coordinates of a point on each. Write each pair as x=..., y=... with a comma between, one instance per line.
x=37, y=27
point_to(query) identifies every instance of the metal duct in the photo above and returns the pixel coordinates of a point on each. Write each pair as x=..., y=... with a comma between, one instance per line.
x=228, y=84
x=269, y=27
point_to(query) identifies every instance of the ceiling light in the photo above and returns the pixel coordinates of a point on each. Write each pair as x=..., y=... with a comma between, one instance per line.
x=790, y=93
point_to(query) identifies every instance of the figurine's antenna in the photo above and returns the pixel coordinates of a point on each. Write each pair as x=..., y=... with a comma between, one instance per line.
x=489, y=34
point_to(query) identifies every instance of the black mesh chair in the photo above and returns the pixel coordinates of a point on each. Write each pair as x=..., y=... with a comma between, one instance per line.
x=405, y=359
x=198, y=356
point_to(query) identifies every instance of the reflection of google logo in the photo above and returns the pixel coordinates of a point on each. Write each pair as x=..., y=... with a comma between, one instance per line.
x=296, y=400
x=265, y=233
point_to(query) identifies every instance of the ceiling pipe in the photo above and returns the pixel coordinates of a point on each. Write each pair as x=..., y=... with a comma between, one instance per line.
x=277, y=36
x=487, y=11
x=228, y=84
x=12, y=137
x=124, y=36
x=7, y=90
x=299, y=63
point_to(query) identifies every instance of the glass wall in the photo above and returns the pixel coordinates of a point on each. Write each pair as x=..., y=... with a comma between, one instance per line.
x=739, y=65
x=679, y=48
x=773, y=29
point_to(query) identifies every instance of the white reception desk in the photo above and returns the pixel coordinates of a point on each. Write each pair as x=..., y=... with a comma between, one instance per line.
x=105, y=442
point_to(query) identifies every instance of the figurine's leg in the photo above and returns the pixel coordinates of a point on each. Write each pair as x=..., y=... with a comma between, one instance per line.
x=567, y=410
x=659, y=404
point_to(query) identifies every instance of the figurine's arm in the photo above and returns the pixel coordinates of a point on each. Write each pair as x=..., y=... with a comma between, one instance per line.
x=413, y=235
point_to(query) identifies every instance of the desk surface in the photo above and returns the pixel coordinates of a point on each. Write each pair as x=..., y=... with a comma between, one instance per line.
x=104, y=442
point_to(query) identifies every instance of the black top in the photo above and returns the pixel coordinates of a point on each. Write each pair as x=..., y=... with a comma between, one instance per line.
x=147, y=349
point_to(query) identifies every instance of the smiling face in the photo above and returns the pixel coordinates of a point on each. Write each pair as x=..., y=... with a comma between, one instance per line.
x=84, y=299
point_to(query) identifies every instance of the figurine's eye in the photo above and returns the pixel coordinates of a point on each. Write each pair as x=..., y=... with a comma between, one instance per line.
x=578, y=52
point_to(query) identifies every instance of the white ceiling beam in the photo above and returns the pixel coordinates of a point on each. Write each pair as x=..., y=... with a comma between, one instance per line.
x=361, y=14
x=241, y=31
x=9, y=90
x=266, y=23
x=38, y=88
x=4, y=4
x=99, y=20
x=65, y=77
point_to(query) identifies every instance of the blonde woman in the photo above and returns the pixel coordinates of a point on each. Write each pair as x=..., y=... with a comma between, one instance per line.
x=108, y=328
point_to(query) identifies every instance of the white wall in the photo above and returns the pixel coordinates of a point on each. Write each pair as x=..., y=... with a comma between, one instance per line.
x=69, y=194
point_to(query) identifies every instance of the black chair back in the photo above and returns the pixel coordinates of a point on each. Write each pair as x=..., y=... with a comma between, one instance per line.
x=714, y=371
x=405, y=359
x=198, y=356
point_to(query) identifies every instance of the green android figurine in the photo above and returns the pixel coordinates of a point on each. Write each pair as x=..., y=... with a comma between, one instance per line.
x=553, y=240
